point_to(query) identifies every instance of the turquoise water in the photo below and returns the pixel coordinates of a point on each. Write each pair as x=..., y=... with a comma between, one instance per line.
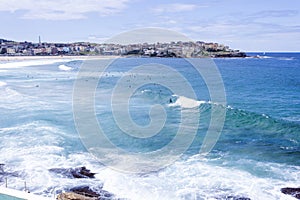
x=7, y=197
x=258, y=151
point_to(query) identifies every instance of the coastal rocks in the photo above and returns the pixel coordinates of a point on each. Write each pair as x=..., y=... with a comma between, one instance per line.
x=295, y=192
x=80, y=172
x=86, y=193
x=81, y=192
x=73, y=196
x=230, y=55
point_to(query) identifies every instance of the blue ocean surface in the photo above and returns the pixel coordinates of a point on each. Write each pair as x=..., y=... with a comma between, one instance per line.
x=257, y=153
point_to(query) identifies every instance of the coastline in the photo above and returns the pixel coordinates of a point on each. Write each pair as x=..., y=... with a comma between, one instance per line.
x=26, y=58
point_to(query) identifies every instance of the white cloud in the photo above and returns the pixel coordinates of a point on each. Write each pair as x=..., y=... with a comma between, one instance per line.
x=248, y=36
x=62, y=9
x=176, y=7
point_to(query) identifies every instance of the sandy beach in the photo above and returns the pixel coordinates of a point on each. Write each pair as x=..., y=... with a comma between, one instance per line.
x=25, y=58
x=23, y=61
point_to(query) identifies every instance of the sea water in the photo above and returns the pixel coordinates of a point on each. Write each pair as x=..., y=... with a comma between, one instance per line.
x=257, y=153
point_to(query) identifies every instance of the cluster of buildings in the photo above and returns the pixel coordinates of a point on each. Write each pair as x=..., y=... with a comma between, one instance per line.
x=172, y=49
x=12, y=48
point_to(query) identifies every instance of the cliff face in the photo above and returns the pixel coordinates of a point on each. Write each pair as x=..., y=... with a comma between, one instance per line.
x=230, y=55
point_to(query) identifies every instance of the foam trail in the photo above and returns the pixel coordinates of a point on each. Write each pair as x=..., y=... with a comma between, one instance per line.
x=263, y=57
x=64, y=68
x=283, y=58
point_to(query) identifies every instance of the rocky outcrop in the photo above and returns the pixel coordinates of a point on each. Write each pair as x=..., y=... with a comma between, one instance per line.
x=230, y=55
x=85, y=193
x=80, y=172
x=81, y=192
x=295, y=192
x=73, y=196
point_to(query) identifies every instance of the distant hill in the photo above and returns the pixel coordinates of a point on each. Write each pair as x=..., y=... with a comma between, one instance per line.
x=178, y=49
x=4, y=40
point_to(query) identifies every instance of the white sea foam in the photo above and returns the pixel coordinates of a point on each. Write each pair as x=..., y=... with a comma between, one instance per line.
x=197, y=179
x=33, y=148
x=259, y=57
x=292, y=118
x=11, y=94
x=145, y=91
x=185, y=102
x=2, y=83
x=191, y=179
x=12, y=99
x=264, y=57
x=64, y=68
x=283, y=58
x=18, y=64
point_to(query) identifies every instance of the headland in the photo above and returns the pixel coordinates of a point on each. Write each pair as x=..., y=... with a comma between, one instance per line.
x=177, y=49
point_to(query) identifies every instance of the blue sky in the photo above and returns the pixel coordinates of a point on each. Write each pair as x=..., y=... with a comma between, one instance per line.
x=246, y=25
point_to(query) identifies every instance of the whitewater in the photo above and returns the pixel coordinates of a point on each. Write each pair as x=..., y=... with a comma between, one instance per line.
x=255, y=156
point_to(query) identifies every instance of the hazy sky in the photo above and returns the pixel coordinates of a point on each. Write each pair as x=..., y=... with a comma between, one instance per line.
x=254, y=25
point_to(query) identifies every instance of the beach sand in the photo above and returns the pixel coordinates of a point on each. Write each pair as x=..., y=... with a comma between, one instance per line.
x=24, y=58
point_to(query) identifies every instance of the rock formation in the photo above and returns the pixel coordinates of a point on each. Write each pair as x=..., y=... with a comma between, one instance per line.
x=80, y=172
x=295, y=192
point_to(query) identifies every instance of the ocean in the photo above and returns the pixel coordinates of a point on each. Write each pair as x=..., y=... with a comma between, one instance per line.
x=168, y=131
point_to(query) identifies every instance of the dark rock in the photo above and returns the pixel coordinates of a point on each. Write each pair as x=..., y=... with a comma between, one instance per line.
x=80, y=172
x=85, y=191
x=230, y=55
x=295, y=192
x=83, y=172
x=99, y=194
x=81, y=192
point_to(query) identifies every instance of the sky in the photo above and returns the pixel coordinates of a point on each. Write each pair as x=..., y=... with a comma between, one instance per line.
x=254, y=25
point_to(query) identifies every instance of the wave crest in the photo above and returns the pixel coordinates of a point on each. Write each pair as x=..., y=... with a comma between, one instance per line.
x=184, y=102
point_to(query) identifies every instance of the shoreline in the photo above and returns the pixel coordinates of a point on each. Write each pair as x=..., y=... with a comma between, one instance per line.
x=27, y=58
